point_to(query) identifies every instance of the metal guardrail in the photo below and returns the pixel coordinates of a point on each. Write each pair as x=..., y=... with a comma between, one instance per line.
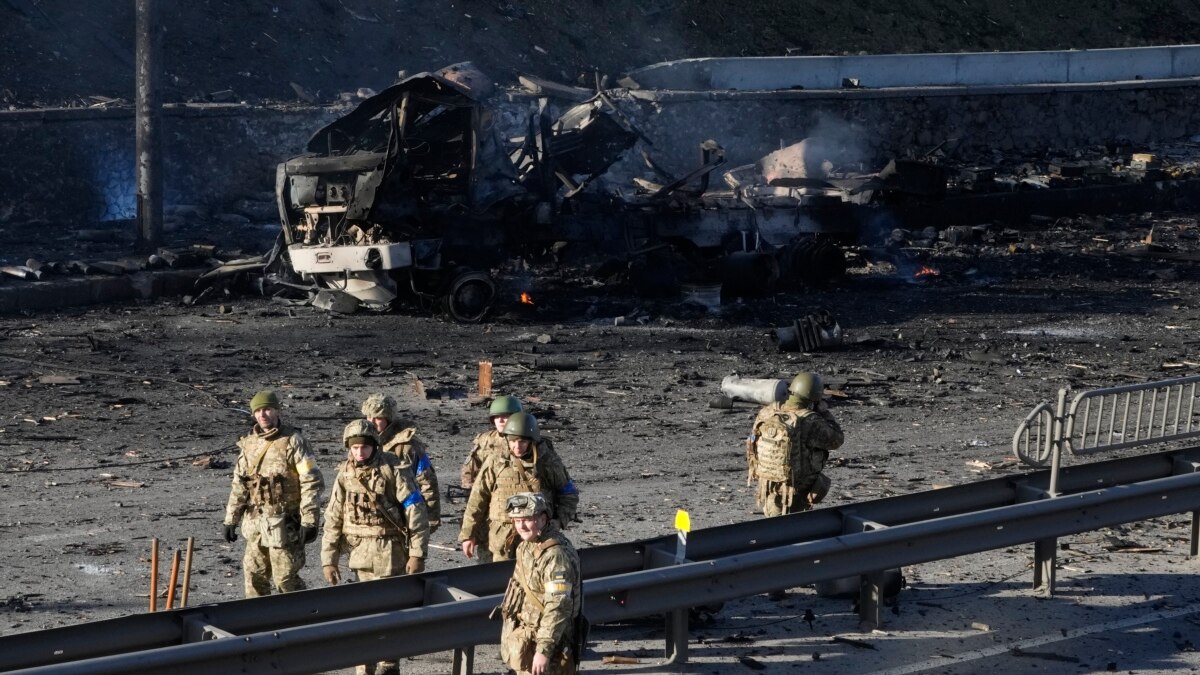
x=320, y=629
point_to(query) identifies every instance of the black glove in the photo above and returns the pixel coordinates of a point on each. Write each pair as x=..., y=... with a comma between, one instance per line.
x=309, y=532
x=231, y=533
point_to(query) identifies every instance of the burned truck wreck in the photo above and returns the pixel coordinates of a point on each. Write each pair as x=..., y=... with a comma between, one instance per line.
x=412, y=187
x=424, y=187
x=415, y=192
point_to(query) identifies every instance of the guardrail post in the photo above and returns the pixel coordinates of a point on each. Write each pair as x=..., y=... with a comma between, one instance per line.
x=1183, y=466
x=1045, y=551
x=464, y=660
x=676, y=649
x=437, y=591
x=677, y=636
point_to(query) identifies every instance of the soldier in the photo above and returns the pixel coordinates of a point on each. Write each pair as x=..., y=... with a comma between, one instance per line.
x=530, y=465
x=375, y=513
x=492, y=441
x=543, y=605
x=789, y=446
x=275, y=496
x=402, y=441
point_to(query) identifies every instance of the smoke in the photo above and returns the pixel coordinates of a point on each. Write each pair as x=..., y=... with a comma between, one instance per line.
x=844, y=144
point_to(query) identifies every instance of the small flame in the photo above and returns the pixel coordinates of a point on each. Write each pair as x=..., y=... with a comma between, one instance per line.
x=927, y=271
x=526, y=298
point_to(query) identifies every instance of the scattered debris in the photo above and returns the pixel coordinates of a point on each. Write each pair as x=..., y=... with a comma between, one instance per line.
x=618, y=660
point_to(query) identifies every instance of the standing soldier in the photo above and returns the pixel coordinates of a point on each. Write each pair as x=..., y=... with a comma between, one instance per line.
x=530, y=465
x=275, y=495
x=542, y=608
x=789, y=446
x=492, y=441
x=375, y=513
x=402, y=441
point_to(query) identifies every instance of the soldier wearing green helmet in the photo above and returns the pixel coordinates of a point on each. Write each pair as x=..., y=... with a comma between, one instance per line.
x=529, y=465
x=490, y=442
x=789, y=446
x=275, y=498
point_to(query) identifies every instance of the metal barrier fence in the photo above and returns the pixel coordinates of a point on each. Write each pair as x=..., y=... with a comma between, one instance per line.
x=320, y=629
x=1112, y=418
x=1099, y=420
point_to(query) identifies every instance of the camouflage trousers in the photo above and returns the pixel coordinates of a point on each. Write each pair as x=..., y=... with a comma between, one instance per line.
x=780, y=499
x=517, y=647
x=266, y=567
x=377, y=558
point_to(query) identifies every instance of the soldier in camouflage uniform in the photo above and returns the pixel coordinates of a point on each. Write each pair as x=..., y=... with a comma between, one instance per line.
x=492, y=441
x=275, y=497
x=375, y=513
x=789, y=446
x=543, y=604
x=401, y=440
x=530, y=465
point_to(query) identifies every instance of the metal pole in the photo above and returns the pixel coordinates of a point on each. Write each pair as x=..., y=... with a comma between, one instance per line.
x=1045, y=552
x=187, y=572
x=148, y=123
x=154, y=575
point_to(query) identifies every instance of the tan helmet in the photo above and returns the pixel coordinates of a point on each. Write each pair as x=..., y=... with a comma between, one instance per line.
x=378, y=405
x=359, y=431
x=807, y=387
x=522, y=424
x=526, y=505
x=264, y=399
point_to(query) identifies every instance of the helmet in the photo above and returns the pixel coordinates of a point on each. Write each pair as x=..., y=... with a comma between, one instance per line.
x=807, y=387
x=378, y=405
x=522, y=424
x=264, y=399
x=504, y=405
x=359, y=431
x=526, y=505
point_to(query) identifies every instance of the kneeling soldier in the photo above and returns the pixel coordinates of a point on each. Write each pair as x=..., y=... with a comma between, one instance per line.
x=543, y=603
x=376, y=514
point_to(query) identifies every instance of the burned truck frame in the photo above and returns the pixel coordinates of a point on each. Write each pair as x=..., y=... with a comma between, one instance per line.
x=417, y=190
x=404, y=194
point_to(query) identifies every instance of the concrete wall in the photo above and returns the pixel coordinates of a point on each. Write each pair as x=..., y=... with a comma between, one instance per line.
x=873, y=126
x=923, y=70
x=75, y=167
x=66, y=167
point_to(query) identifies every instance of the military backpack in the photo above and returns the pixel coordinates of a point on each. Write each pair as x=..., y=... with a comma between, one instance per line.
x=781, y=447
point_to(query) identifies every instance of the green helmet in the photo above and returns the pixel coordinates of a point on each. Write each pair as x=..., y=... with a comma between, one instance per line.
x=359, y=432
x=526, y=505
x=378, y=405
x=264, y=399
x=504, y=405
x=807, y=387
x=522, y=424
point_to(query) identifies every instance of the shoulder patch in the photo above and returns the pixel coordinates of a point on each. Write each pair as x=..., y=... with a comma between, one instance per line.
x=306, y=465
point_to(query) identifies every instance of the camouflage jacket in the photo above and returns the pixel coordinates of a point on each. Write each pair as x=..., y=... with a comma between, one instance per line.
x=504, y=476
x=544, y=596
x=485, y=445
x=815, y=433
x=375, y=499
x=413, y=453
x=275, y=474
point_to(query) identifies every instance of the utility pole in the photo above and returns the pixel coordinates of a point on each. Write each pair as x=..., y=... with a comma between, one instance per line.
x=149, y=128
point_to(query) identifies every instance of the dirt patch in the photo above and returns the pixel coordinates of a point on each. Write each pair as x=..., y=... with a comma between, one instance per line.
x=935, y=375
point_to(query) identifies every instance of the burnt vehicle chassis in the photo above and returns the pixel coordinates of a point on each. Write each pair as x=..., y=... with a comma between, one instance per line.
x=414, y=191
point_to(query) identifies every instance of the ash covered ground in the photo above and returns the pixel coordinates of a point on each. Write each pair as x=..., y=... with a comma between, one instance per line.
x=120, y=423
